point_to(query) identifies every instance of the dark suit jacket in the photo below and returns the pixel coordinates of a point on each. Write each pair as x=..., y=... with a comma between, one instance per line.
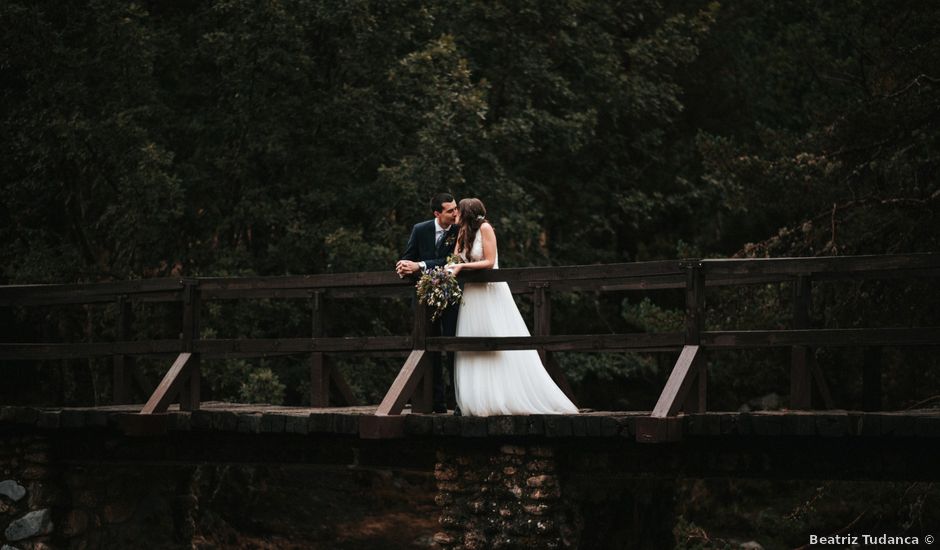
x=421, y=246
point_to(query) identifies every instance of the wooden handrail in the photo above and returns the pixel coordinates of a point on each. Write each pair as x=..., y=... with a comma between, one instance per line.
x=692, y=275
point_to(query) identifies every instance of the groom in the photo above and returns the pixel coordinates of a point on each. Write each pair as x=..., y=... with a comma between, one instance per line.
x=430, y=244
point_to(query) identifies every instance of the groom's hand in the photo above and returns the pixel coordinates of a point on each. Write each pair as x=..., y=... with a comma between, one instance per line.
x=406, y=267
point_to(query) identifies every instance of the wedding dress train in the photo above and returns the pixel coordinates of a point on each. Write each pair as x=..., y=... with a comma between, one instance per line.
x=500, y=382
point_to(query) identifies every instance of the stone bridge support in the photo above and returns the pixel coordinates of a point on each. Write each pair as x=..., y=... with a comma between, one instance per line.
x=523, y=496
x=30, y=492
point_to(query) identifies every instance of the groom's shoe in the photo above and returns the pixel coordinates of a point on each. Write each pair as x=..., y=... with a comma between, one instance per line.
x=457, y=411
x=440, y=409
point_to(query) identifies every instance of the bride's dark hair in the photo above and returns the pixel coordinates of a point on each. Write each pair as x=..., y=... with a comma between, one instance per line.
x=472, y=216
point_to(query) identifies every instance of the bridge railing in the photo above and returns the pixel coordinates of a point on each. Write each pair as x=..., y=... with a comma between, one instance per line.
x=685, y=389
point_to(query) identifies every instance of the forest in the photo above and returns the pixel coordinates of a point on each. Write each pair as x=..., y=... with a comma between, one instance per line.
x=242, y=138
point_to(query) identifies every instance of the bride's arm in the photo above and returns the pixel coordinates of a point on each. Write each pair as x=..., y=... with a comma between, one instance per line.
x=489, y=251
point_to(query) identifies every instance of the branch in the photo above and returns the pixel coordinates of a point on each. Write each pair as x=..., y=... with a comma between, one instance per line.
x=900, y=202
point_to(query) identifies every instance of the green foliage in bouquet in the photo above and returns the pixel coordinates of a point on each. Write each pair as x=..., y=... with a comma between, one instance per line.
x=438, y=289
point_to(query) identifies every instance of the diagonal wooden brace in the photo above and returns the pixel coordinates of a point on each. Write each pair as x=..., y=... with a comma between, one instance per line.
x=416, y=366
x=170, y=386
x=679, y=384
x=663, y=424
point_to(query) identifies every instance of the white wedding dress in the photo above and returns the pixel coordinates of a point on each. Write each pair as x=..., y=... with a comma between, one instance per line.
x=490, y=383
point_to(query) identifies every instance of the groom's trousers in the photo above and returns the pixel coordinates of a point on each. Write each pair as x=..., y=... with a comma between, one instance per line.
x=446, y=325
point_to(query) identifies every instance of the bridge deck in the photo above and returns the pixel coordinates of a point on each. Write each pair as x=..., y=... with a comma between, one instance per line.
x=361, y=422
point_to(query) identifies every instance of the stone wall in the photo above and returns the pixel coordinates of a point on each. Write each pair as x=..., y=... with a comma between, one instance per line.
x=544, y=495
x=505, y=497
x=483, y=494
x=29, y=493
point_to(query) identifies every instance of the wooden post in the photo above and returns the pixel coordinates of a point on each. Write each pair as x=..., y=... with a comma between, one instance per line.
x=319, y=367
x=192, y=304
x=542, y=326
x=694, y=323
x=801, y=377
x=694, y=303
x=871, y=379
x=686, y=388
x=422, y=401
x=123, y=363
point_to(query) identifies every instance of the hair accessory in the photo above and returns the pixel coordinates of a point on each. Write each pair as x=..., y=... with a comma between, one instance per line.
x=480, y=218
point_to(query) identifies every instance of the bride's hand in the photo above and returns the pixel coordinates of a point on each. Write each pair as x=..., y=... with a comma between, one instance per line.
x=454, y=268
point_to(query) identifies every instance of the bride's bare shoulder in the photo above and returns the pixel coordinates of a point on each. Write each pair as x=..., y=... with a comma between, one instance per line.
x=487, y=228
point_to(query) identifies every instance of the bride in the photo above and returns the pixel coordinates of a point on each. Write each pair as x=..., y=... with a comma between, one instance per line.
x=495, y=382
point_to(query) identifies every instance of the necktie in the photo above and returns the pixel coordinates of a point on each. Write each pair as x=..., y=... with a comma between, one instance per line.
x=440, y=237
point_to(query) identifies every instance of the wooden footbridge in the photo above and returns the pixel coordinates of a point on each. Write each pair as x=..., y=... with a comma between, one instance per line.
x=679, y=433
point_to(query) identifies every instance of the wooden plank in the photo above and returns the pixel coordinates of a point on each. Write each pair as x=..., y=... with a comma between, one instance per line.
x=731, y=339
x=801, y=379
x=82, y=293
x=405, y=383
x=879, y=274
x=577, y=342
x=49, y=351
x=422, y=400
x=169, y=386
x=319, y=369
x=821, y=385
x=319, y=380
x=574, y=272
x=871, y=379
x=41, y=300
x=337, y=293
x=381, y=427
x=260, y=346
x=679, y=383
x=694, y=303
x=192, y=307
x=342, y=388
x=720, y=271
x=696, y=402
x=542, y=326
x=801, y=388
x=831, y=264
x=120, y=382
x=648, y=429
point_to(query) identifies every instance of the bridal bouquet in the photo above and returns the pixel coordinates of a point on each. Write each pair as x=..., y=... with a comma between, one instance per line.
x=437, y=288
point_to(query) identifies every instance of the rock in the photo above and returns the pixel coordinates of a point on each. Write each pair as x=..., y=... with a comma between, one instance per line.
x=512, y=450
x=540, y=466
x=542, y=451
x=35, y=472
x=12, y=490
x=443, y=538
x=535, y=509
x=424, y=541
x=118, y=512
x=38, y=458
x=8, y=547
x=545, y=493
x=30, y=525
x=540, y=481
x=76, y=523
x=445, y=474
x=751, y=545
